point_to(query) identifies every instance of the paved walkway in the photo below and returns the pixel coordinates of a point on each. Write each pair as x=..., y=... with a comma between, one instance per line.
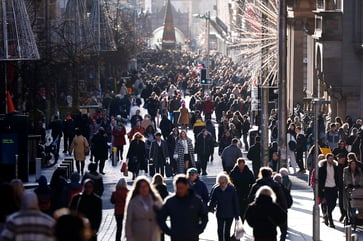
x=300, y=217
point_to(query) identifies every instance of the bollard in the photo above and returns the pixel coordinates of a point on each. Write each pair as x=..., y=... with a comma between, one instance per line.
x=355, y=237
x=348, y=232
x=114, y=156
x=38, y=168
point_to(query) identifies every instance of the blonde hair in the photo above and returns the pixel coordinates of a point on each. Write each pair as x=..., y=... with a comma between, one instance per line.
x=266, y=191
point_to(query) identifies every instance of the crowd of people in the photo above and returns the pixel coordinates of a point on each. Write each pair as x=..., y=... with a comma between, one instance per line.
x=176, y=104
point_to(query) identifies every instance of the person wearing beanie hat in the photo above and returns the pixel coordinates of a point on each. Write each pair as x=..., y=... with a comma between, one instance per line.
x=29, y=223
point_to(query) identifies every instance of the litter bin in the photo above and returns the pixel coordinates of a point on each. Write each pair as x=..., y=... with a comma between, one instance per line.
x=14, y=162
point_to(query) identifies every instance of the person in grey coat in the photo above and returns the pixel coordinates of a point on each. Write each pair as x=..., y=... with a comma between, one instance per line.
x=229, y=155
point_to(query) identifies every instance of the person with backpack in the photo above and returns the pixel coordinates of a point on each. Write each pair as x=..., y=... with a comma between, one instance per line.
x=301, y=143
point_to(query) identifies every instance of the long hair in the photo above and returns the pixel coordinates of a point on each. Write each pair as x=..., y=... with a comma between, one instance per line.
x=136, y=187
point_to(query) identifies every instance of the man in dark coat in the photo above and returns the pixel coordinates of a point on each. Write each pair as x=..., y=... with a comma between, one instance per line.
x=89, y=204
x=188, y=214
x=242, y=178
x=204, y=146
x=198, y=186
x=328, y=187
x=159, y=153
x=100, y=148
x=254, y=154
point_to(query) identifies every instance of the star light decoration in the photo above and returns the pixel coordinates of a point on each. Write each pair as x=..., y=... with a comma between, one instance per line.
x=258, y=42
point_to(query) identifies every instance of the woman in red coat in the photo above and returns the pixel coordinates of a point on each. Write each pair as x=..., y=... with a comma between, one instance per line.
x=119, y=140
x=118, y=198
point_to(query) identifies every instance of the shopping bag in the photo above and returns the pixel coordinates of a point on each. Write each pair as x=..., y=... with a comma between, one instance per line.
x=126, y=172
x=168, y=170
x=238, y=230
x=123, y=167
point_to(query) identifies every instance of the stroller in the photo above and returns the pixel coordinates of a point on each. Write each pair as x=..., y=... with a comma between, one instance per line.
x=48, y=152
x=354, y=207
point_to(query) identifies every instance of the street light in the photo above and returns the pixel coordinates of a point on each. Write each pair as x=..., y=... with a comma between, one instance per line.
x=205, y=16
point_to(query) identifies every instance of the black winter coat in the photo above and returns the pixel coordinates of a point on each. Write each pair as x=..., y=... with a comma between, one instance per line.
x=188, y=217
x=100, y=147
x=264, y=216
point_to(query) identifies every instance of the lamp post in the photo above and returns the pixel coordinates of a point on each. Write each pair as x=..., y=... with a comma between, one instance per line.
x=205, y=16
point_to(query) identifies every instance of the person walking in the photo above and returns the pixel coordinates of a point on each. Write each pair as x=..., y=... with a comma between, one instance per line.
x=29, y=223
x=142, y=203
x=119, y=140
x=188, y=214
x=184, y=153
x=243, y=179
x=230, y=154
x=68, y=132
x=118, y=198
x=246, y=125
x=171, y=141
x=159, y=153
x=136, y=155
x=291, y=146
x=184, y=117
x=264, y=215
x=224, y=198
x=100, y=149
x=254, y=154
x=98, y=187
x=204, y=147
x=328, y=190
x=197, y=185
x=79, y=146
x=88, y=204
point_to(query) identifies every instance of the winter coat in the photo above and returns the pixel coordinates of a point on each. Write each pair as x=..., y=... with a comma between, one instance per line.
x=204, y=146
x=230, y=155
x=140, y=219
x=323, y=173
x=200, y=188
x=242, y=181
x=179, y=152
x=99, y=147
x=118, y=198
x=184, y=116
x=118, y=134
x=98, y=187
x=264, y=216
x=90, y=206
x=225, y=201
x=137, y=156
x=79, y=145
x=188, y=217
x=154, y=152
x=280, y=195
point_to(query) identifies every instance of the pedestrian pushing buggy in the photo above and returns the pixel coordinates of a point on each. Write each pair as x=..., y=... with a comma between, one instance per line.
x=354, y=206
